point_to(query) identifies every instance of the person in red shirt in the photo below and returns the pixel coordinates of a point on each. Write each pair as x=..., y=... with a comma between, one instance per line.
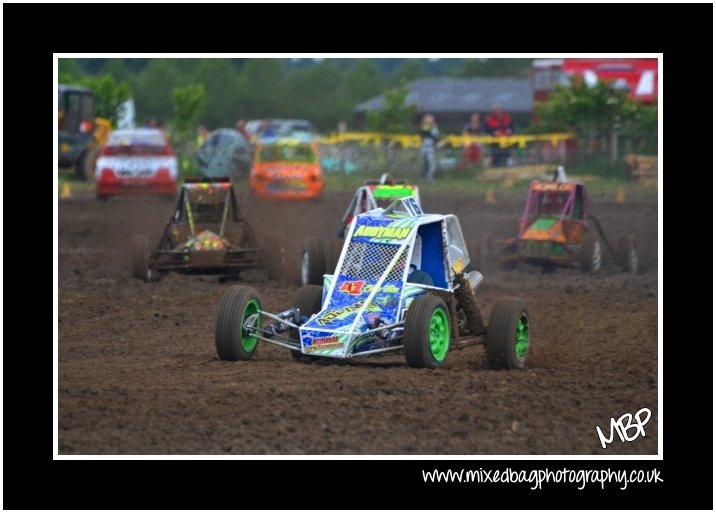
x=499, y=123
x=472, y=151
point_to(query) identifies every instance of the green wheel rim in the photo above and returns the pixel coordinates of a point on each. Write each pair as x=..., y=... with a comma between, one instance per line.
x=439, y=334
x=248, y=342
x=522, y=339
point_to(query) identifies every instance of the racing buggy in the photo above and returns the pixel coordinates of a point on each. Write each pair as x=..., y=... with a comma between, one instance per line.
x=399, y=284
x=206, y=234
x=556, y=229
x=319, y=257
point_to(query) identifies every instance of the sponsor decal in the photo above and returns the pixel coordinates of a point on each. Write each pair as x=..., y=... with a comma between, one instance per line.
x=392, y=191
x=552, y=186
x=321, y=343
x=381, y=232
x=389, y=288
x=339, y=313
x=352, y=287
x=358, y=287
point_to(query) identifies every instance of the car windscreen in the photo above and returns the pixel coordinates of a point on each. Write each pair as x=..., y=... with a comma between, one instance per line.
x=286, y=153
x=137, y=144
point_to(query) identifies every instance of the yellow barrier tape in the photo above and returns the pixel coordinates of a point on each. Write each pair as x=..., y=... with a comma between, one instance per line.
x=413, y=141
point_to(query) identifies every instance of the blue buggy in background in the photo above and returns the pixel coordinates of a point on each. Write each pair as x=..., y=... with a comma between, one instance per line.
x=399, y=284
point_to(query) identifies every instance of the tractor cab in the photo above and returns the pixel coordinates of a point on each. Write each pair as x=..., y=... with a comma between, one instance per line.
x=75, y=116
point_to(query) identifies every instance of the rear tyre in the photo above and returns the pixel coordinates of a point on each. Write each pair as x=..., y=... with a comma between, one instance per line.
x=273, y=258
x=427, y=333
x=628, y=255
x=308, y=301
x=86, y=165
x=333, y=254
x=508, y=334
x=313, y=262
x=140, y=258
x=239, y=305
x=590, y=258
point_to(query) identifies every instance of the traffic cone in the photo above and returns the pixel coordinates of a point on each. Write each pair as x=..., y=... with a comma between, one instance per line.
x=490, y=197
x=65, y=193
x=621, y=196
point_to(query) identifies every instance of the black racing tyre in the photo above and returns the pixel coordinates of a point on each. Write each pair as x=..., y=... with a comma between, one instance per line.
x=140, y=257
x=237, y=306
x=333, y=254
x=274, y=258
x=508, y=334
x=426, y=339
x=627, y=254
x=85, y=169
x=313, y=262
x=590, y=255
x=308, y=301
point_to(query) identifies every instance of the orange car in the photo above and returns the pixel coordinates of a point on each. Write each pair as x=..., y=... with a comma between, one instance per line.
x=286, y=170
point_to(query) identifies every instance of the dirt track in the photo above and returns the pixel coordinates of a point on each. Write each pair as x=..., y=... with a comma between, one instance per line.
x=138, y=372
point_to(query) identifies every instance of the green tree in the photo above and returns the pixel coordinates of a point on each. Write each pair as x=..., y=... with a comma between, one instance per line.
x=580, y=108
x=496, y=68
x=67, y=70
x=409, y=70
x=359, y=83
x=109, y=95
x=313, y=93
x=223, y=94
x=188, y=104
x=396, y=116
x=262, y=88
x=599, y=112
x=639, y=126
x=153, y=88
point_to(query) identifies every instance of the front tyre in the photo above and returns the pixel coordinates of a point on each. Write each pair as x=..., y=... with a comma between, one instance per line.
x=427, y=333
x=508, y=334
x=140, y=257
x=590, y=258
x=238, y=310
x=628, y=255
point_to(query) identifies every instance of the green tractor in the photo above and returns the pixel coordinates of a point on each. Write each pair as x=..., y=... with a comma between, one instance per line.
x=80, y=134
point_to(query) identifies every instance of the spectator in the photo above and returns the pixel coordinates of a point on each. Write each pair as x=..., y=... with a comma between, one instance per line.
x=472, y=151
x=499, y=123
x=266, y=130
x=241, y=128
x=159, y=124
x=429, y=134
x=202, y=134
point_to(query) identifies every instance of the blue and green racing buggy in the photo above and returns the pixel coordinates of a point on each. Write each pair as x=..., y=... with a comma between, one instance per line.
x=320, y=256
x=399, y=284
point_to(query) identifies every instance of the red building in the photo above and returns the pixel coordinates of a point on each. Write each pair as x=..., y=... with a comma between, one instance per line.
x=639, y=75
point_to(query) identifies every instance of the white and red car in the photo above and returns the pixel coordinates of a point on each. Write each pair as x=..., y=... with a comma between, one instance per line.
x=136, y=161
